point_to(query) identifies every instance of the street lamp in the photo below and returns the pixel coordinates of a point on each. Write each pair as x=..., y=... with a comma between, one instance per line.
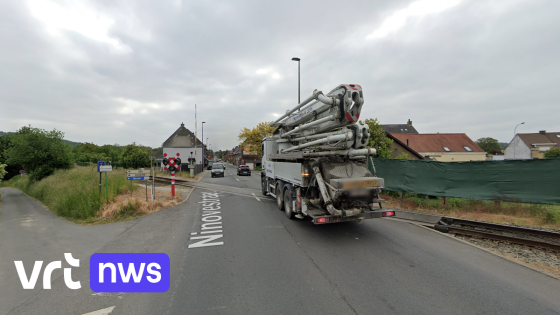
x=514, y=134
x=298, y=77
x=203, y=158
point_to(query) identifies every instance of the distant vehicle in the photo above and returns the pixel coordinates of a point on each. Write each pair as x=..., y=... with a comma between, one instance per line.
x=244, y=170
x=210, y=163
x=218, y=170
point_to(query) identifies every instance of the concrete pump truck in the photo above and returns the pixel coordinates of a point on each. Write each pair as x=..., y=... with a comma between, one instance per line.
x=316, y=162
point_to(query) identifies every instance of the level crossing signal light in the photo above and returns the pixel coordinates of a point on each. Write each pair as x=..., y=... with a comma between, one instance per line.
x=173, y=163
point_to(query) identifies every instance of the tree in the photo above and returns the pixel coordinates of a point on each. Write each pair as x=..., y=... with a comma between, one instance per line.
x=135, y=156
x=2, y=171
x=39, y=152
x=490, y=145
x=254, y=137
x=378, y=139
x=553, y=153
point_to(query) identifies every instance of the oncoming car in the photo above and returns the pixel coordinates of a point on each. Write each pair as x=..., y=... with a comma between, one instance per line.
x=210, y=163
x=244, y=170
x=218, y=169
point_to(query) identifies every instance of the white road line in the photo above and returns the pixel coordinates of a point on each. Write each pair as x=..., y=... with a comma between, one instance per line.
x=258, y=198
x=253, y=194
x=104, y=311
x=237, y=179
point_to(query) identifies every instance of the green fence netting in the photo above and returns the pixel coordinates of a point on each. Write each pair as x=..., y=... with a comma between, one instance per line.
x=534, y=181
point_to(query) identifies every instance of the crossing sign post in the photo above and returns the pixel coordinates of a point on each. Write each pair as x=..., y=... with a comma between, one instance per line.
x=172, y=164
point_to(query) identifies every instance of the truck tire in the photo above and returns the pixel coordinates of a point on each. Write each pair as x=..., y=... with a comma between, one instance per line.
x=263, y=186
x=279, y=197
x=288, y=204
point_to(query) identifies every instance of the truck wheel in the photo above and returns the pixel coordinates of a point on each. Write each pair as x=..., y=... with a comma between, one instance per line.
x=288, y=204
x=263, y=186
x=279, y=199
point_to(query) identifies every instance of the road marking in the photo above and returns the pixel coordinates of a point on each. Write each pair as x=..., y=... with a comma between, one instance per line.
x=237, y=179
x=211, y=220
x=258, y=198
x=104, y=311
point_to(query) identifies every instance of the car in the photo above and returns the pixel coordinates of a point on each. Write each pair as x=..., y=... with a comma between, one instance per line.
x=218, y=169
x=210, y=163
x=244, y=170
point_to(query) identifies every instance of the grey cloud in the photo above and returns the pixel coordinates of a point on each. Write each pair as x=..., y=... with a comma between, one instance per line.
x=478, y=68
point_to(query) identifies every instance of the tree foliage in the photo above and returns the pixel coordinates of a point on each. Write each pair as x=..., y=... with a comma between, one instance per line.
x=254, y=137
x=490, y=145
x=553, y=153
x=378, y=139
x=39, y=152
x=135, y=156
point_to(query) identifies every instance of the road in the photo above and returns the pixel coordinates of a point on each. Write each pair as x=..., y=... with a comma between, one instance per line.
x=268, y=264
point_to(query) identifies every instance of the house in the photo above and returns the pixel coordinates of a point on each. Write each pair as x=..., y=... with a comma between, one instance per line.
x=527, y=146
x=398, y=147
x=445, y=147
x=184, y=142
x=399, y=128
x=250, y=158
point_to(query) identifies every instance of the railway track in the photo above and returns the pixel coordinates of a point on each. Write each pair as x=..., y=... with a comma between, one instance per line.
x=512, y=234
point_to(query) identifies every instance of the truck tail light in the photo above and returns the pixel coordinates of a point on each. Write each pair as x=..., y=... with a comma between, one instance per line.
x=388, y=214
x=323, y=220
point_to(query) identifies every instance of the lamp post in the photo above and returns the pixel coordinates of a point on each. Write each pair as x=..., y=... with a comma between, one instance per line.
x=207, y=142
x=514, y=134
x=298, y=77
x=203, y=158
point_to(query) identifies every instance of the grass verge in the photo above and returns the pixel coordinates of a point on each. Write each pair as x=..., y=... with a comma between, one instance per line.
x=513, y=213
x=74, y=195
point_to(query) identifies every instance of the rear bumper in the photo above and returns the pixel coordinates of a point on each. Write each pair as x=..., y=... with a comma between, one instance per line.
x=325, y=219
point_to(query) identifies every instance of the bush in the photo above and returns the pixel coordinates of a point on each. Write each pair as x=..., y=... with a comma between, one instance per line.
x=553, y=153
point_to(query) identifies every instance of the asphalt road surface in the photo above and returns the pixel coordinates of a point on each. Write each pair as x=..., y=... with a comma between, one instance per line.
x=265, y=263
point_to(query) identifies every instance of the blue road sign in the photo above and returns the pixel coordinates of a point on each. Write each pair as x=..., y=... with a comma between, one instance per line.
x=138, y=178
x=21, y=171
x=99, y=163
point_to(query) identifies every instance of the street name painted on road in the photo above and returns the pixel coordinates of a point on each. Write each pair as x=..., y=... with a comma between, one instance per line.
x=211, y=222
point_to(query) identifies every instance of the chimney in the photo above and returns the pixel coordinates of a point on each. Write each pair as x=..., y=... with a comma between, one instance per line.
x=182, y=125
x=542, y=132
x=409, y=122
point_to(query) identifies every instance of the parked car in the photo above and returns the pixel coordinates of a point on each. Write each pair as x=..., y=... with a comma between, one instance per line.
x=244, y=170
x=218, y=169
x=210, y=163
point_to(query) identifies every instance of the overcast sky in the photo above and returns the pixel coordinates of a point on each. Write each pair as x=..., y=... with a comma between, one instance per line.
x=131, y=71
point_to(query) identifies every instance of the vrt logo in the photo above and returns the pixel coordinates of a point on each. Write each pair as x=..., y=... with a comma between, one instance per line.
x=29, y=284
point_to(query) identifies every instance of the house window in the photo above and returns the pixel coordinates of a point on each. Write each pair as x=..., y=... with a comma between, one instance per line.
x=467, y=148
x=446, y=149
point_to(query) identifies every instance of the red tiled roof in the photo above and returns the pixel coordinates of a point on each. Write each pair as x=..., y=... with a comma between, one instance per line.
x=428, y=142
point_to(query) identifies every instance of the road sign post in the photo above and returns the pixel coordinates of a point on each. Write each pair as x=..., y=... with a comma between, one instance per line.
x=21, y=173
x=99, y=164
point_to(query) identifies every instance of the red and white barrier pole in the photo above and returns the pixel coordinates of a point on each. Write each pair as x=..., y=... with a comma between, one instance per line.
x=173, y=184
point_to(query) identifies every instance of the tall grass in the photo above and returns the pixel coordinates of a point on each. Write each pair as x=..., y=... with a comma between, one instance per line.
x=74, y=193
x=546, y=214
